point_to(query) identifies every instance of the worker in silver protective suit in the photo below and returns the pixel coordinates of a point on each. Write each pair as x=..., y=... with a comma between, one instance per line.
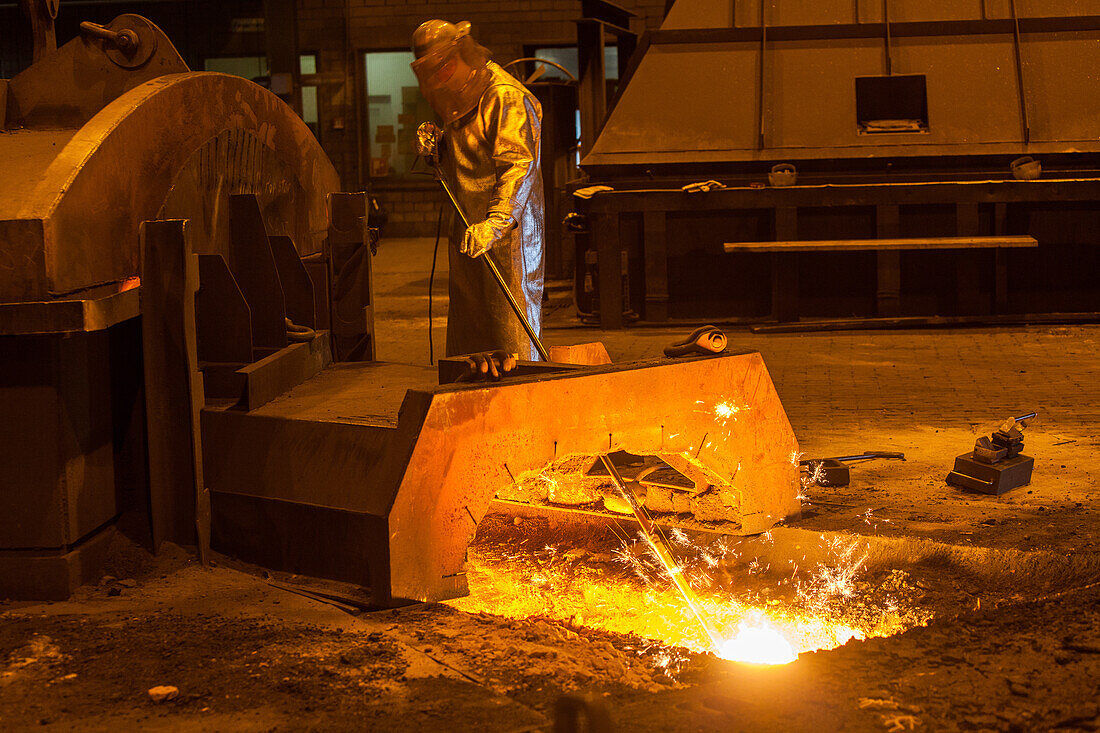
x=488, y=154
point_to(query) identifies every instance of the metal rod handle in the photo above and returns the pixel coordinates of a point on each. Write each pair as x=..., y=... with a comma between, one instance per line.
x=499, y=278
x=123, y=39
x=664, y=554
x=516, y=307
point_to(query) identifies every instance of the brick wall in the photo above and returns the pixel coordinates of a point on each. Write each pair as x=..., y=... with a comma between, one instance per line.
x=412, y=210
x=379, y=25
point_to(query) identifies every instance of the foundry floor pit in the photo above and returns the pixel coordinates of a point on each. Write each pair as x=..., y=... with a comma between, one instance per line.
x=246, y=653
x=605, y=576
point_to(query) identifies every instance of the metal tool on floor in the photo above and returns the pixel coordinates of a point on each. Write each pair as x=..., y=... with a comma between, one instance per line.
x=703, y=340
x=836, y=472
x=996, y=464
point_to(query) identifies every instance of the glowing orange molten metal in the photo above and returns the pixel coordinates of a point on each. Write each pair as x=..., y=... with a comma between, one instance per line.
x=684, y=594
x=821, y=608
x=757, y=642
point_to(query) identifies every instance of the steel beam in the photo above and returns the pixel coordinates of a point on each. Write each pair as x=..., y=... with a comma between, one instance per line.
x=592, y=84
x=905, y=29
x=947, y=192
x=179, y=503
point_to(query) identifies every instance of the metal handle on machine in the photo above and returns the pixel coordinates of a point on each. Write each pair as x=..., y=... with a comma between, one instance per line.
x=499, y=278
x=123, y=40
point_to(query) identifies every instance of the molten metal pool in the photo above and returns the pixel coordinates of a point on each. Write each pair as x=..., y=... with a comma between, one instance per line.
x=756, y=614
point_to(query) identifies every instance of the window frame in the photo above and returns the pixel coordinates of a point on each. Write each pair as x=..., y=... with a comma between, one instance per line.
x=363, y=122
x=610, y=50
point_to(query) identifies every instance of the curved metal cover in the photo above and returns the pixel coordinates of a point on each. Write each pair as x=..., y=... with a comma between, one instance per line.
x=175, y=146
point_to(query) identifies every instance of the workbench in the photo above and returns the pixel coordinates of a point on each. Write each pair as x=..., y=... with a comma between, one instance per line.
x=888, y=272
x=607, y=212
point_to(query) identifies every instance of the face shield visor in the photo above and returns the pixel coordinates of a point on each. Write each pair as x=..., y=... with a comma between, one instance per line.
x=453, y=77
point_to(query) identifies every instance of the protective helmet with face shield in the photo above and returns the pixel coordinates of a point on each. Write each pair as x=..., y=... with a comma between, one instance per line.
x=450, y=67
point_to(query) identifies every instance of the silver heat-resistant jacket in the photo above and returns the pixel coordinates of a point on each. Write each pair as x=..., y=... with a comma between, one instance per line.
x=490, y=159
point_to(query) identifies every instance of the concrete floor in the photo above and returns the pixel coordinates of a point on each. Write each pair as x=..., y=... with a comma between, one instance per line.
x=1013, y=582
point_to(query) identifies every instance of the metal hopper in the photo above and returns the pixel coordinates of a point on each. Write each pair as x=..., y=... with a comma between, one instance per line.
x=350, y=476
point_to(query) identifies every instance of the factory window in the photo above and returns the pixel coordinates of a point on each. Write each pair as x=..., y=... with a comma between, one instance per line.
x=395, y=108
x=567, y=57
x=255, y=67
x=891, y=104
x=309, y=107
x=307, y=66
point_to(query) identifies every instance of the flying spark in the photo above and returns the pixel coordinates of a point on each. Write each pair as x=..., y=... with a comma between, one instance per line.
x=756, y=617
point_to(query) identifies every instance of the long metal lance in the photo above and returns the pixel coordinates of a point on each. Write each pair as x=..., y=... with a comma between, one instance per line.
x=657, y=542
x=496, y=274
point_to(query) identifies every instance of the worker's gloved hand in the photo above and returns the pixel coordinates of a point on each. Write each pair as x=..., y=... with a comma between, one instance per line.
x=427, y=140
x=487, y=365
x=483, y=236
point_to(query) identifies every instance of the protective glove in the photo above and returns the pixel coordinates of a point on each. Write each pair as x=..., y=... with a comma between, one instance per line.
x=488, y=365
x=427, y=140
x=483, y=236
